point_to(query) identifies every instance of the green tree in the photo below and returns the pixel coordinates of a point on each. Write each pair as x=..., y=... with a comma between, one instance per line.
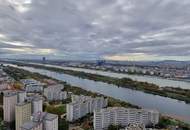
x=63, y=124
x=114, y=127
x=2, y=127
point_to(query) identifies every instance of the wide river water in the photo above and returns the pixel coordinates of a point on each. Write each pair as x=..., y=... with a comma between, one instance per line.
x=150, y=79
x=168, y=106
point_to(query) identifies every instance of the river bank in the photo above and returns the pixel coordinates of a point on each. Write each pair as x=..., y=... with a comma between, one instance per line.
x=175, y=93
x=20, y=73
x=135, y=73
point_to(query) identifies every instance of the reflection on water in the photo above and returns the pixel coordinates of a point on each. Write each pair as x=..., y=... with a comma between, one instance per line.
x=164, y=105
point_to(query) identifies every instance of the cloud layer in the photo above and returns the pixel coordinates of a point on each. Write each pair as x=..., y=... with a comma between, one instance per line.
x=95, y=29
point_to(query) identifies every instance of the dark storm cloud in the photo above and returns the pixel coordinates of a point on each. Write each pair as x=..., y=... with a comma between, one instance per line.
x=92, y=29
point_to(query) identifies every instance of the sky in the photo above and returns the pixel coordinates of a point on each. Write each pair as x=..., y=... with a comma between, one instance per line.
x=95, y=29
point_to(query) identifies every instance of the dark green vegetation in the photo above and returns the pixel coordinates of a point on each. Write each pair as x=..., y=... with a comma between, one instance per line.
x=12, y=71
x=19, y=74
x=2, y=126
x=175, y=93
x=58, y=110
x=114, y=127
x=166, y=121
x=63, y=124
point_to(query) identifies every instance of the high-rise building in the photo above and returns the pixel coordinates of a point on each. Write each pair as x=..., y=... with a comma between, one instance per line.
x=37, y=103
x=32, y=86
x=23, y=114
x=21, y=96
x=123, y=116
x=41, y=121
x=51, y=122
x=9, y=102
x=54, y=92
x=82, y=105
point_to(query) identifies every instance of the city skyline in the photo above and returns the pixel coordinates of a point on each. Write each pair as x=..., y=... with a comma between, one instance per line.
x=89, y=30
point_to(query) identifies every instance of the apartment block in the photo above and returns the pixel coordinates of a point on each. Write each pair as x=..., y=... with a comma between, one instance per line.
x=21, y=96
x=123, y=116
x=82, y=105
x=23, y=114
x=9, y=102
x=37, y=103
x=32, y=85
x=54, y=92
x=51, y=122
x=41, y=121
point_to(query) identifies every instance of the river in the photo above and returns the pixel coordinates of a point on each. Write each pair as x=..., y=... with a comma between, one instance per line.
x=162, y=82
x=168, y=106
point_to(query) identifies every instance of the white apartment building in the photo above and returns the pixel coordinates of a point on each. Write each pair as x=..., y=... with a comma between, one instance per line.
x=37, y=103
x=32, y=85
x=21, y=96
x=82, y=105
x=9, y=102
x=123, y=116
x=41, y=121
x=50, y=122
x=93, y=103
x=54, y=92
x=23, y=114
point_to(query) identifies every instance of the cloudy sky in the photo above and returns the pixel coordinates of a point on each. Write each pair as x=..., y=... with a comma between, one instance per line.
x=95, y=29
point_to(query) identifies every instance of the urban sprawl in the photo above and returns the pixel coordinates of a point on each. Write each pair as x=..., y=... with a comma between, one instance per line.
x=25, y=108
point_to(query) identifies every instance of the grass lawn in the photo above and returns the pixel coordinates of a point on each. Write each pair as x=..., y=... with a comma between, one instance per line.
x=56, y=109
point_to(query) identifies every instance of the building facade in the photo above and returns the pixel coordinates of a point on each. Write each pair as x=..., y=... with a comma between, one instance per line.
x=50, y=122
x=41, y=121
x=82, y=105
x=54, y=92
x=23, y=114
x=123, y=116
x=37, y=103
x=32, y=85
x=9, y=102
x=21, y=96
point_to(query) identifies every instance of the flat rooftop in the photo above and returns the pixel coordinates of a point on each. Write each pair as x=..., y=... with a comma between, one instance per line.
x=29, y=125
x=50, y=116
x=10, y=94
